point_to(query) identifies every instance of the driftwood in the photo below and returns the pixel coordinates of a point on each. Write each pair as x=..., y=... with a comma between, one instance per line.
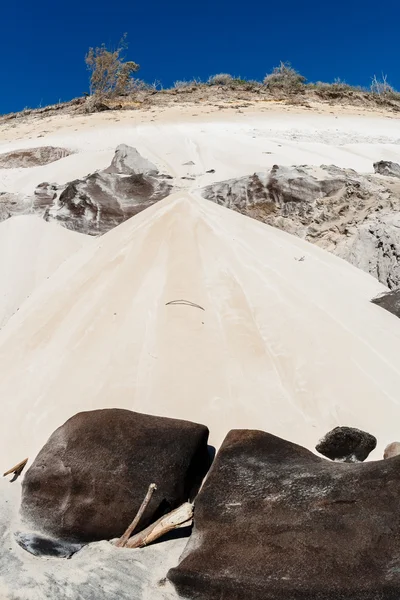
x=17, y=470
x=125, y=537
x=177, y=518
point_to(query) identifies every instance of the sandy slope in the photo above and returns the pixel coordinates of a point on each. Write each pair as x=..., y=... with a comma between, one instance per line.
x=30, y=250
x=232, y=142
x=286, y=345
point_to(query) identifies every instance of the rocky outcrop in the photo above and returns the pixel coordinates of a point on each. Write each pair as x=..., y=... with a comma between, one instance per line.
x=89, y=480
x=347, y=444
x=387, y=168
x=32, y=157
x=354, y=216
x=101, y=201
x=104, y=199
x=275, y=522
x=389, y=301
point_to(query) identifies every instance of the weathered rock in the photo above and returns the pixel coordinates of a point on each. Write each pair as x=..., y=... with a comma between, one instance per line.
x=275, y=522
x=128, y=161
x=388, y=168
x=354, y=216
x=392, y=450
x=89, y=480
x=32, y=157
x=104, y=200
x=347, y=444
x=389, y=301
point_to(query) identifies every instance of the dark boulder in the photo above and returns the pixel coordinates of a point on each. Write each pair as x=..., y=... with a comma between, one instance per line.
x=88, y=481
x=273, y=521
x=346, y=444
x=389, y=301
x=388, y=168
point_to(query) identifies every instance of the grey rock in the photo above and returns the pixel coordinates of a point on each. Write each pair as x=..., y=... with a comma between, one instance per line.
x=128, y=161
x=101, y=201
x=389, y=301
x=354, y=216
x=388, y=168
x=347, y=444
x=32, y=157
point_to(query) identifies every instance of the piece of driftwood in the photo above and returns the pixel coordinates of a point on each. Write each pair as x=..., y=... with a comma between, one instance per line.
x=17, y=470
x=125, y=537
x=177, y=518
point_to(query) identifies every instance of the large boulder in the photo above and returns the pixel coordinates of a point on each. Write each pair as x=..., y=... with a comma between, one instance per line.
x=89, y=480
x=347, y=444
x=275, y=522
x=388, y=168
x=389, y=301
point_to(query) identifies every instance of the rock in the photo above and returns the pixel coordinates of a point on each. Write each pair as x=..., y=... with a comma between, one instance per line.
x=347, y=444
x=387, y=168
x=128, y=161
x=354, y=216
x=90, y=478
x=32, y=157
x=389, y=301
x=374, y=247
x=392, y=450
x=101, y=201
x=275, y=522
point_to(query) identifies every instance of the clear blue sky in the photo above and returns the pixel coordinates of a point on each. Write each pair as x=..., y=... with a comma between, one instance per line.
x=43, y=43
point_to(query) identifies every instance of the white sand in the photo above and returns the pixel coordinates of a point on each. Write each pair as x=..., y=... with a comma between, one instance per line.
x=230, y=142
x=286, y=345
x=30, y=250
x=292, y=347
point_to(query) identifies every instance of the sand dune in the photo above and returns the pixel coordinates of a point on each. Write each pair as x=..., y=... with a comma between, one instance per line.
x=231, y=143
x=30, y=250
x=283, y=337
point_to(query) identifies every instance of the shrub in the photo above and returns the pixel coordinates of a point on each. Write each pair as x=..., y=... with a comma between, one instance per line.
x=381, y=86
x=220, y=79
x=183, y=83
x=284, y=78
x=110, y=73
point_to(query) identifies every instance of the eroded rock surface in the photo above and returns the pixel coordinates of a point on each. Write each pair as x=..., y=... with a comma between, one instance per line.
x=354, y=216
x=32, y=157
x=388, y=168
x=347, y=444
x=89, y=480
x=275, y=522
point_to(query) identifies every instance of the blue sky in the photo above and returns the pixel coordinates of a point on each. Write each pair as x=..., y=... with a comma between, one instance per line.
x=42, y=44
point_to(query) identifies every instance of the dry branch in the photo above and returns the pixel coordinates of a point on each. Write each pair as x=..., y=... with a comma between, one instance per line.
x=177, y=518
x=125, y=537
x=17, y=470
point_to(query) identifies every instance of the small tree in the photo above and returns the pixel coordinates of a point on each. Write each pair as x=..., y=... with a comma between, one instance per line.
x=110, y=74
x=381, y=86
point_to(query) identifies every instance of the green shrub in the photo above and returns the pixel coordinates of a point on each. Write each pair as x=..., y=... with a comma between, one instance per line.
x=110, y=74
x=284, y=78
